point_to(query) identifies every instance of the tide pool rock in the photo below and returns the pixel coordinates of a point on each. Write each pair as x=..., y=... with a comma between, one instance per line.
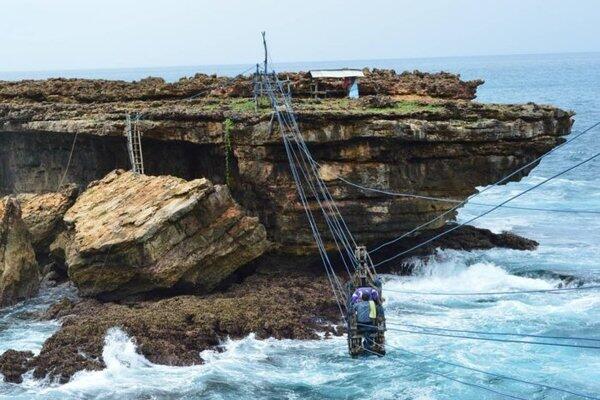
x=19, y=275
x=131, y=234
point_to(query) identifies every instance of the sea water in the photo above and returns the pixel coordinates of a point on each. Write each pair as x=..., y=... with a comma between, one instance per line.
x=288, y=369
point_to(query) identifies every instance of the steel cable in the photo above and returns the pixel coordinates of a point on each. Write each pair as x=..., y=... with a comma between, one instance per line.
x=429, y=371
x=495, y=339
x=504, y=179
x=496, y=375
x=492, y=209
x=433, y=328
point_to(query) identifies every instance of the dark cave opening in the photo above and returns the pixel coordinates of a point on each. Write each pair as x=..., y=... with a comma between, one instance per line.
x=35, y=162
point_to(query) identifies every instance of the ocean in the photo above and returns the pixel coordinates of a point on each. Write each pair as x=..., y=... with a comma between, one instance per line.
x=569, y=253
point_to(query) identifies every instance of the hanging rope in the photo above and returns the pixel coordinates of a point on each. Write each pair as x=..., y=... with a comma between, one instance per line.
x=471, y=203
x=64, y=175
x=332, y=228
x=301, y=174
x=296, y=149
x=446, y=200
x=316, y=235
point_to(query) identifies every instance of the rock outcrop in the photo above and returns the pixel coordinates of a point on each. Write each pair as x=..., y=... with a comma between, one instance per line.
x=420, y=139
x=290, y=304
x=43, y=215
x=13, y=364
x=19, y=275
x=277, y=300
x=130, y=234
x=375, y=82
x=138, y=239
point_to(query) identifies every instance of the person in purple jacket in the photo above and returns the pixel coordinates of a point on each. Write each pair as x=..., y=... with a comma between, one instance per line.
x=372, y=293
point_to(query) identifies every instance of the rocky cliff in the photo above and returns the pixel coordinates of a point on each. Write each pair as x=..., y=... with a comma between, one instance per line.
x=19, y=275
x=128, y=234
x=424, y=144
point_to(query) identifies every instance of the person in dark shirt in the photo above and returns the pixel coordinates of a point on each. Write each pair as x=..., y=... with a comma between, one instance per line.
x=366, y=312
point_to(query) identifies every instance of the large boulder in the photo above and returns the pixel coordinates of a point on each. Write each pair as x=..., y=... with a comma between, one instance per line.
x=19, y=275
x=130, y=234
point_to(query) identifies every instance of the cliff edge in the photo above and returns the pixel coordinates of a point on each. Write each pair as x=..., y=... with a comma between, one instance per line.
x=412, y=133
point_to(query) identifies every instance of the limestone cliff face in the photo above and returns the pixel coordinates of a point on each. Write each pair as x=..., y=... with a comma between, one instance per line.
x=129, y=234
x=19, y=276
x=424, y=144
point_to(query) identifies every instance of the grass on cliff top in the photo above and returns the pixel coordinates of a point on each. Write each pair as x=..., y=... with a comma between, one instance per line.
x=245, y=105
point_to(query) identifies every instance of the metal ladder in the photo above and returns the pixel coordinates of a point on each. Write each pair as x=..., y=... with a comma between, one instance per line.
x=134, y=144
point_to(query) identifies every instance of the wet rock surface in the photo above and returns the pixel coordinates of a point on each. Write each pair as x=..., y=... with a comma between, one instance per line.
x=174, y=331
x=278, y=297
x=13, y=364
x=130, y=234
x=19, y=275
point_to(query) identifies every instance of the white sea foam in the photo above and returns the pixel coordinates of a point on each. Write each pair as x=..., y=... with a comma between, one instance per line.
x=450, y=272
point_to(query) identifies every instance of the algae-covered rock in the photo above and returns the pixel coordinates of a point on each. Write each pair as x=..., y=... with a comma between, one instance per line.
x=13, y=364
x=19, y=275
x=174, y=331
x=131, y=234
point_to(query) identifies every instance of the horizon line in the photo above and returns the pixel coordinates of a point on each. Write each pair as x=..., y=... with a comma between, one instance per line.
x=292, y=62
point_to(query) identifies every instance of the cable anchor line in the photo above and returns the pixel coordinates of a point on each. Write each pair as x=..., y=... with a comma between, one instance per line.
x=504, y=179
x=310, y=186
x=308, y=182
x=430, y=333
x=433, y=328
x=444, y=233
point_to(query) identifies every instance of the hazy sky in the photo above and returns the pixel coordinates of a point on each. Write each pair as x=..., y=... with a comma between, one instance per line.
x=69, y=34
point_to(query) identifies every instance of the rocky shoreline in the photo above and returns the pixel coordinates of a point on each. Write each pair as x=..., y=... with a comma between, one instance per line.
x=271, y=298
x=212, y=242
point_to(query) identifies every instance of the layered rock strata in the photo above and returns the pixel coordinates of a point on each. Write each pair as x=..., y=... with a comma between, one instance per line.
x=43, y=215
x=426, y=145
x=129, y=234
x=19, y=275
